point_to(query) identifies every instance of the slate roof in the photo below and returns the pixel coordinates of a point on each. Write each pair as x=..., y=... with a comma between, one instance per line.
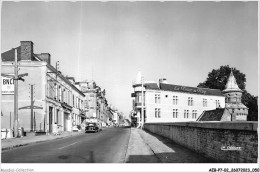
x=151, y=86
x=9, y=55
x=191, y=90
x=212, y=115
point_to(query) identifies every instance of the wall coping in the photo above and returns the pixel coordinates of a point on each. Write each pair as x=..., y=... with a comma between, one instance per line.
x=241, y=125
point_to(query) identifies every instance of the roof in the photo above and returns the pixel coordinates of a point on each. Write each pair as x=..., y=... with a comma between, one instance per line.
x=9, y=55
x=65, y=79
x=191, y=90
x=151, y=86
x=231, y=84
x=212, y=115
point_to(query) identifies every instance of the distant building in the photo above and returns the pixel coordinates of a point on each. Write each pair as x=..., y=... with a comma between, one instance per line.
x=173, y=103
x=90, y=101
x=53, y=97
x=95, y=103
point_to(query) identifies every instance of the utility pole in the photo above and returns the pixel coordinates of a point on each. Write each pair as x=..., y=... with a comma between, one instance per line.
x=15, y=94
x=16, y=77
x=32, y=107
x=10, y=120
x=142, y=106
x=32, y=102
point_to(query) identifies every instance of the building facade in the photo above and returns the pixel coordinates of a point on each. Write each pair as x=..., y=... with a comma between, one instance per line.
x=173, y=103
x=45, y=98
x=96, y=105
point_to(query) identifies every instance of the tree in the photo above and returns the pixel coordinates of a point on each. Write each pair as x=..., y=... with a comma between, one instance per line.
x=251, y=102
x=217, y=79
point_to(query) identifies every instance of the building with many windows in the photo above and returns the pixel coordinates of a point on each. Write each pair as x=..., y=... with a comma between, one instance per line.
x=173, y=103
x=96, y=105
x=45, y=97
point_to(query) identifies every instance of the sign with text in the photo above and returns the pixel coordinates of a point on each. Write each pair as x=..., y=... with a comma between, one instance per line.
x=7, y=85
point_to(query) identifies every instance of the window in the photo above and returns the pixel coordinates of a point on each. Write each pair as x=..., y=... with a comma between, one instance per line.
x=175, y=113
x=81, y=107
x=217, y=103
x=205, y=104
x=73, y=100
x=139, y=99
x=190, y=101
x=64, y=96
x=157, y=113
x=60, y=93
x=194, y=114
x=175, y=100
x=157, y=98
x=186, y=113
x=57, y=91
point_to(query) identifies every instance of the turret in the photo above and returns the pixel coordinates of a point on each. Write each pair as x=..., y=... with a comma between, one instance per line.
x=233, y=96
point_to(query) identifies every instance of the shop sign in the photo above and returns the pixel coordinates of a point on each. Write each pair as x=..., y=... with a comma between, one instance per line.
x=7, y=85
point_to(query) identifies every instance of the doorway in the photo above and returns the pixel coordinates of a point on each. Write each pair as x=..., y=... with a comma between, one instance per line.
x=50, y=118
x=66, y=121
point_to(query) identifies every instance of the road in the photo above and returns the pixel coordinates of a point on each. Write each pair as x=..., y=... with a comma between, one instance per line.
x=107, y=146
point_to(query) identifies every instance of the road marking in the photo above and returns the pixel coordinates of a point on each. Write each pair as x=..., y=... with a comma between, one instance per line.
x=68, y=145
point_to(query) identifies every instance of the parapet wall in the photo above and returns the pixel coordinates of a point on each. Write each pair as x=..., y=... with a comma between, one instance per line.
x=225, y=142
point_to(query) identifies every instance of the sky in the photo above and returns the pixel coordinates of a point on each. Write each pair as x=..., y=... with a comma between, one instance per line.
x=110, y=42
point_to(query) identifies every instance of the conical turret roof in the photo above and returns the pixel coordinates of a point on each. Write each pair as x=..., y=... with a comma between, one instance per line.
x=232, y=84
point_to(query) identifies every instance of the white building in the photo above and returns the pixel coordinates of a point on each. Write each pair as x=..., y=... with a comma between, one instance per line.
x=173, y=103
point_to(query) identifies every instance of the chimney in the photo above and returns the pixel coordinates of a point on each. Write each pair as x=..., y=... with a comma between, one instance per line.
x=45, y=57
x=163, y=80
x=26, y=50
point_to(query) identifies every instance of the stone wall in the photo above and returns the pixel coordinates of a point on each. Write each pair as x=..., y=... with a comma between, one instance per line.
x=212, y=139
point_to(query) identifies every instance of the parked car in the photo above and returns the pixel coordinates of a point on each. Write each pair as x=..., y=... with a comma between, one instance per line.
x=92, y=127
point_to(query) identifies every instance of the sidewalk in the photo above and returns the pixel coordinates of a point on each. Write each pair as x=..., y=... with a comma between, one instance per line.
x=145, y=147
x=7, y=144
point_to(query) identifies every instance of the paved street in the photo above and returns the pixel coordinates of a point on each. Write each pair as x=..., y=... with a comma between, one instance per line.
x=112, y=145
x=107, y=146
